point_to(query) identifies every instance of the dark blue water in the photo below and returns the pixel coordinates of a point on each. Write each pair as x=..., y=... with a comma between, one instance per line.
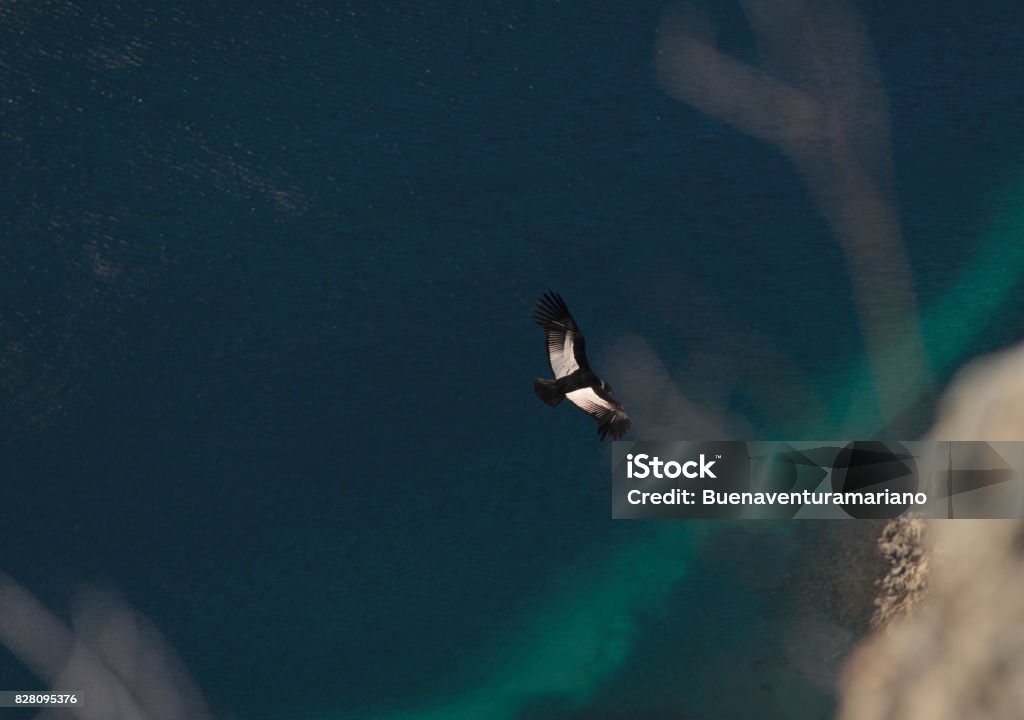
x=265, y=347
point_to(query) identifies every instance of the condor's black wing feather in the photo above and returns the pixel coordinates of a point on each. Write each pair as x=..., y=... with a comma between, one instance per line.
x=566, y=347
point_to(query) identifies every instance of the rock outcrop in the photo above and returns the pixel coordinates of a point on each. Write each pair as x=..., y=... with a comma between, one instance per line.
x=956, y=650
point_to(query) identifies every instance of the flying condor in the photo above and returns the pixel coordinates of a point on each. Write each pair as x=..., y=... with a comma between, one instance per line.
x=573, y=377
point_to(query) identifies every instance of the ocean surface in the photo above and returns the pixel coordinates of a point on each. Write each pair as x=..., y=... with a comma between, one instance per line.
x=266, y=276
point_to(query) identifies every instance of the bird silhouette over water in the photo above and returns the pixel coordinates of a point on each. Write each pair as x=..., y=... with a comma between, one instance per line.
x=573, y=377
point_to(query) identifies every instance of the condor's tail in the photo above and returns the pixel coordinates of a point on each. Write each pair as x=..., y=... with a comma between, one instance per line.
x=547, y=390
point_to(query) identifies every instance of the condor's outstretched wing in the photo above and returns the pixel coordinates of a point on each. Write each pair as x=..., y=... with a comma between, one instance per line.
x=610, y=415
x=566, y=348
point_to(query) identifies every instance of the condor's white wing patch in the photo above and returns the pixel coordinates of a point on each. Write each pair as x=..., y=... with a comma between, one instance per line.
x=611, y=418
x=590, y=402
x=566, y=347
x=562, y=353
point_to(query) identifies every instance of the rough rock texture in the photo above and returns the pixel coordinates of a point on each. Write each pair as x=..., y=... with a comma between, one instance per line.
x=960, y=652
x=840, y=566
x=902, y=589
